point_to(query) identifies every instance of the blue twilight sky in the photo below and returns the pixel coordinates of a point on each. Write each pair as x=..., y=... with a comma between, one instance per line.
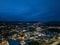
x=29, y=10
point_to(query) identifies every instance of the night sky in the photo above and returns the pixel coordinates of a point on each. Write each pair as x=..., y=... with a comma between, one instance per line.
x=30, y=10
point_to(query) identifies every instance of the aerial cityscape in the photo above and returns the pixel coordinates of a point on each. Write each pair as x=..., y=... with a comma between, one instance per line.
x=25, y=33
x=29, y=22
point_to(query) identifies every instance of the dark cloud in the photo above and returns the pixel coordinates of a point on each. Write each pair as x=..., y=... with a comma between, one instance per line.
x=29, y=10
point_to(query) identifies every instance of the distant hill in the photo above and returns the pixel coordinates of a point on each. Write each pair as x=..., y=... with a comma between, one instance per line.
x=50, y=23
x=53, y=23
